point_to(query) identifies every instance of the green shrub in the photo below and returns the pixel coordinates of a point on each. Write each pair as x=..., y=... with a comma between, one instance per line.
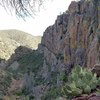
x=51, y=94
x=5, y=81
x=81, y=80
x=33, y=61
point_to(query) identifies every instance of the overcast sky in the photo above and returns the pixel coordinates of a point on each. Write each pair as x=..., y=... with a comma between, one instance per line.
x=37, y=25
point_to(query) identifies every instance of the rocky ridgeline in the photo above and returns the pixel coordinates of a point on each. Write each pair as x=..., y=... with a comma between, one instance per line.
x=74, y=38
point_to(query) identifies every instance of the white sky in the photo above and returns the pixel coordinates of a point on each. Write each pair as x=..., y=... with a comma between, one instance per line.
x=42, y=20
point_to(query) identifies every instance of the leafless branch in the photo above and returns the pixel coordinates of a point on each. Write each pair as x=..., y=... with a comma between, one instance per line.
x=22, y=8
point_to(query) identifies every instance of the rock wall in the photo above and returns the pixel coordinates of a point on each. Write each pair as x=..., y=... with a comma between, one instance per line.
x=74, y=38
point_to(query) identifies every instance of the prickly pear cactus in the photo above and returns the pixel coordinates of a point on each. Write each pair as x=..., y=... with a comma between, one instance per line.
x=80, y=80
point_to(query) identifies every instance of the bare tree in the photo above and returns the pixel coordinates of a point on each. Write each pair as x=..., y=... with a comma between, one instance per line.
x=22, y=8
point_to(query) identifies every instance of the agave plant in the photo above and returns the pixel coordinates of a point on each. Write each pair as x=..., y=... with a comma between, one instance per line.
x=80, y=80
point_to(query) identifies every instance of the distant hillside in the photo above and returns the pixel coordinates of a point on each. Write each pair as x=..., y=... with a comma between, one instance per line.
x=11, y=39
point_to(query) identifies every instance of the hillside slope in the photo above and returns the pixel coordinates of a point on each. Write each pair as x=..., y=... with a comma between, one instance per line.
x=11, y=39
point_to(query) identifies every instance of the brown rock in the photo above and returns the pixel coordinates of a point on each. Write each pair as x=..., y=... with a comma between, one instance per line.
x=94, y=98
x=96, y=69
x=81, y=98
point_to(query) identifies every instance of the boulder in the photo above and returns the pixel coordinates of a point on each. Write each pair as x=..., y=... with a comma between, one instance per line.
x=96, y=69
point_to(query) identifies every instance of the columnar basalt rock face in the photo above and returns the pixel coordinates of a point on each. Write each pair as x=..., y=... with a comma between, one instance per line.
x=74, y=38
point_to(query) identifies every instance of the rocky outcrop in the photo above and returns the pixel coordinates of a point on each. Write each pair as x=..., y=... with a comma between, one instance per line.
x=74, y=38
x=96, y=69
x=92, y=96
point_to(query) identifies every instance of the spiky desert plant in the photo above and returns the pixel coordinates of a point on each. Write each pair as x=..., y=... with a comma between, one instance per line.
x=80, y=80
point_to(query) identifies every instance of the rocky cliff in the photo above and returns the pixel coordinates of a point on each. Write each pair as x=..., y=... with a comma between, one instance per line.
x=75, y=36
x=73, y=39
